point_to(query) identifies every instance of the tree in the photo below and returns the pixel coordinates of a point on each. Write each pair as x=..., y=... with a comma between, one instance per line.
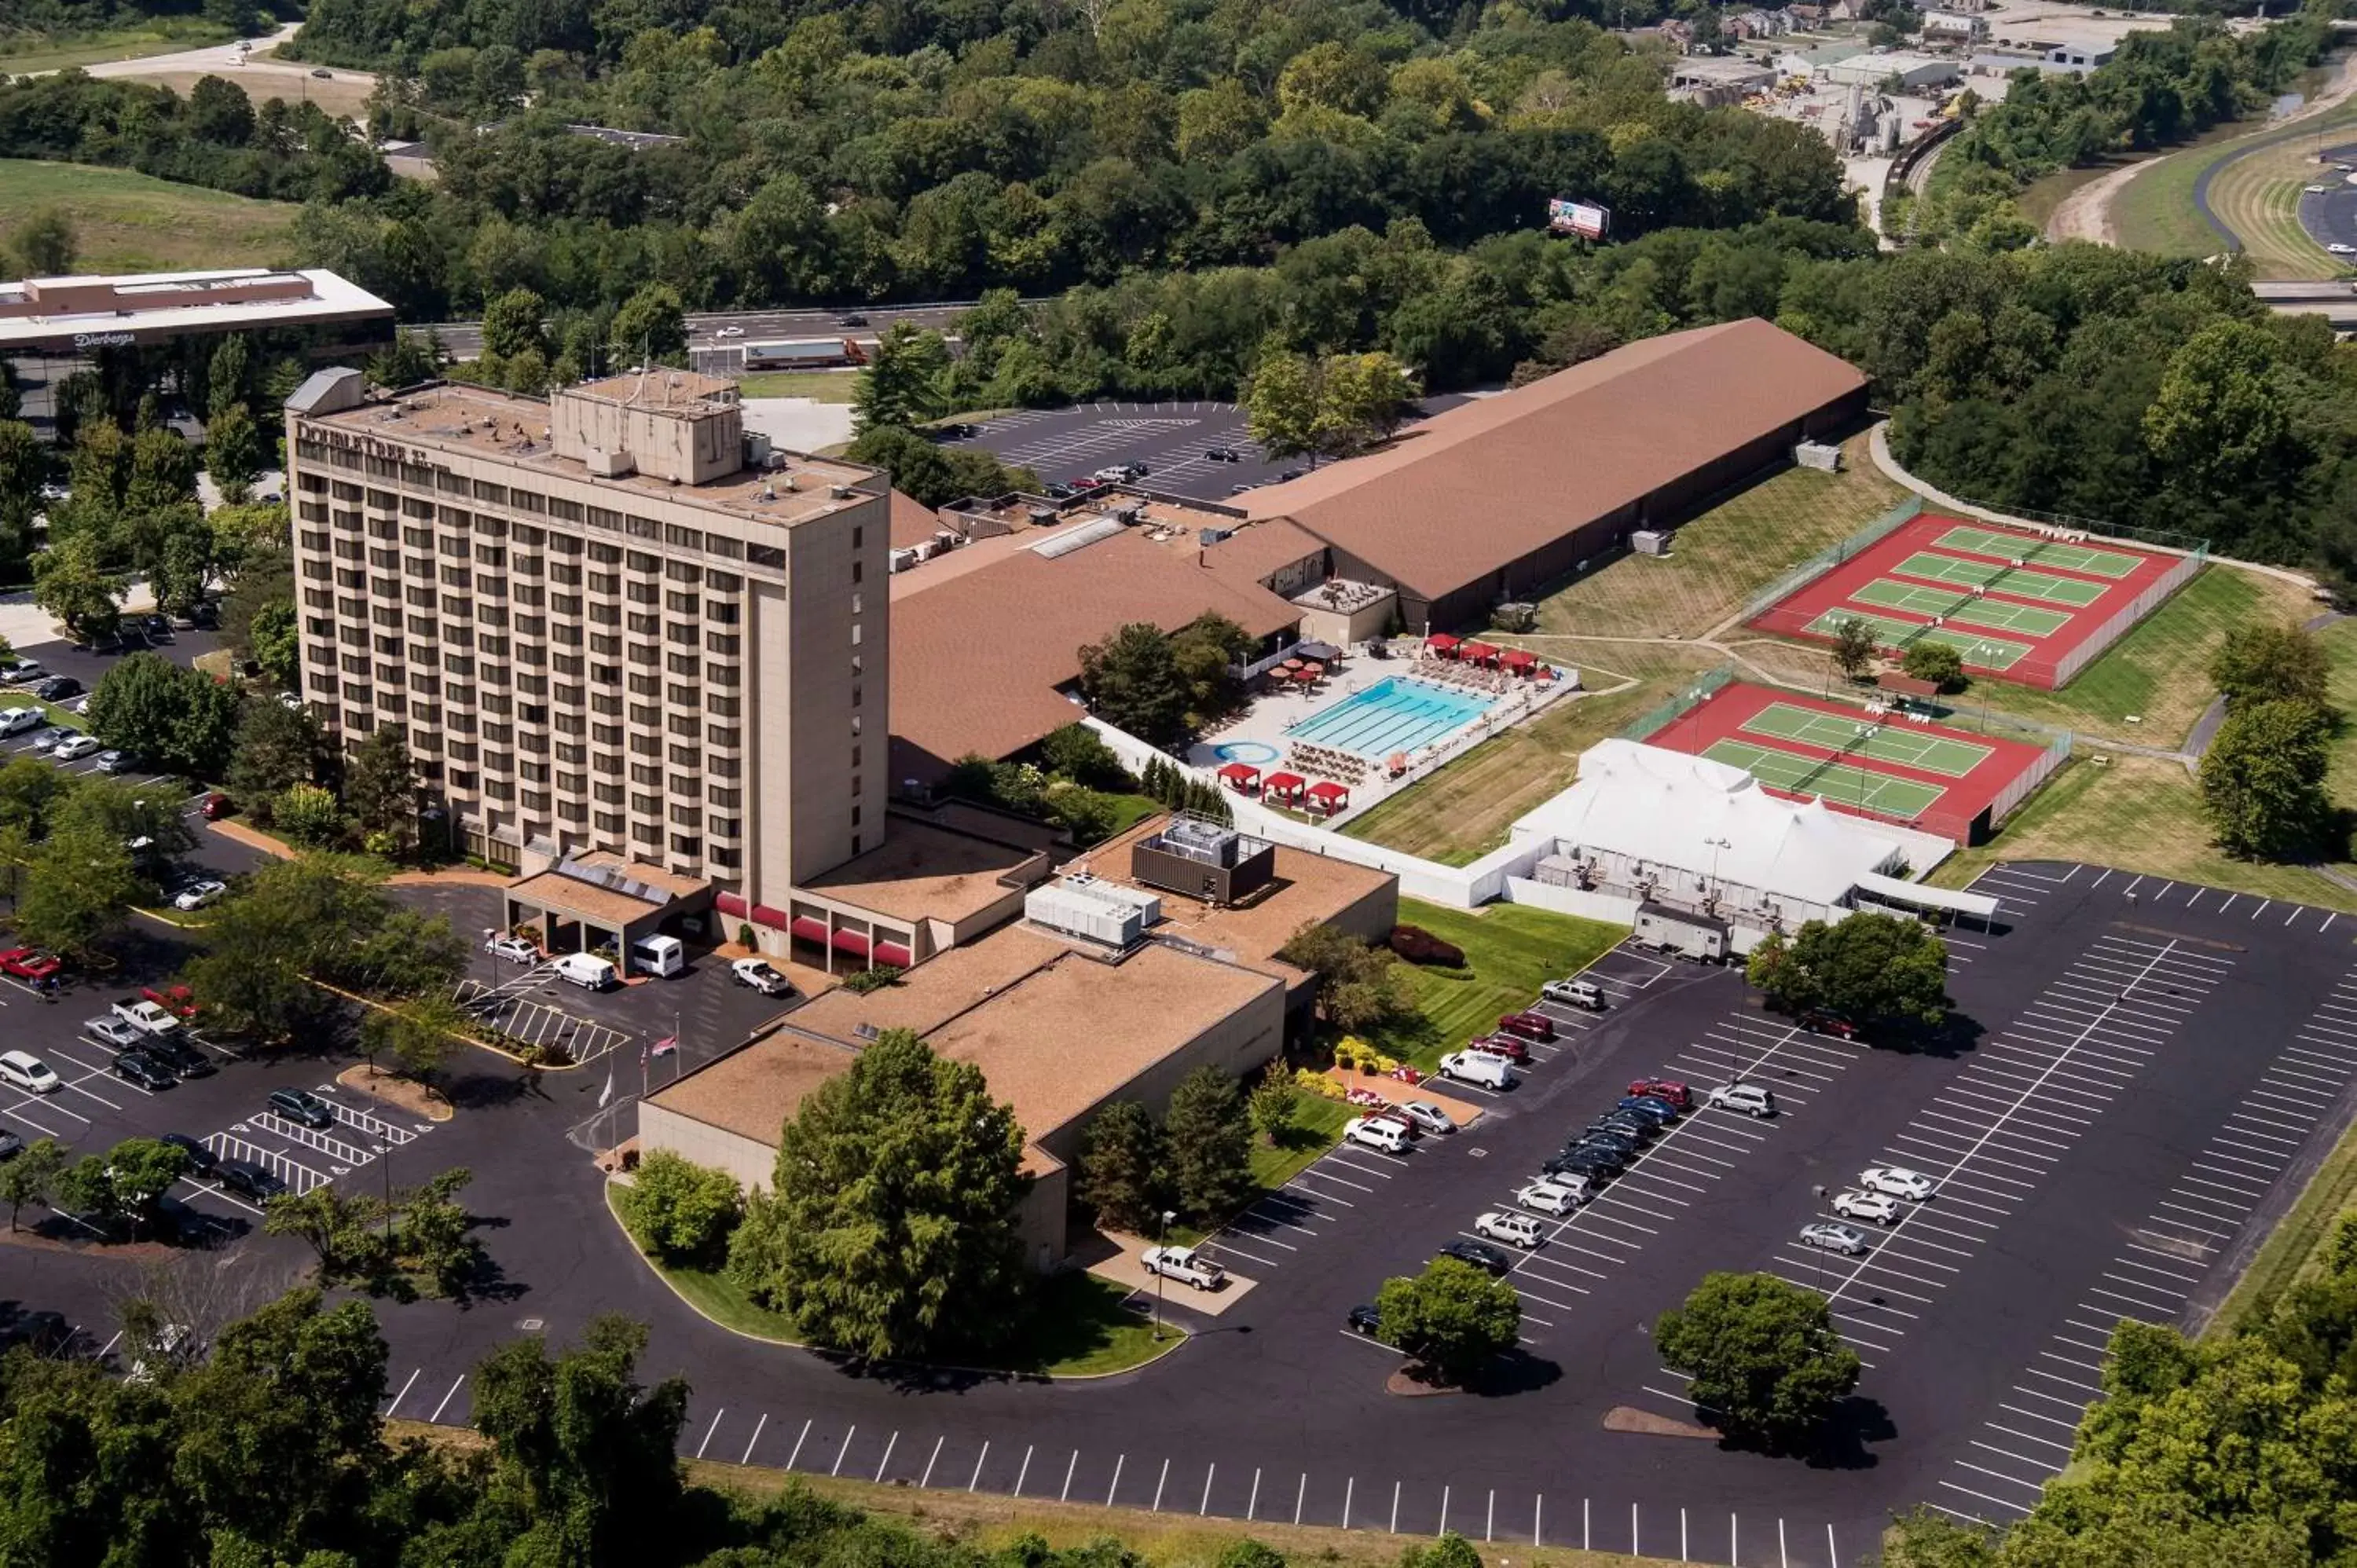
x=434, y=1232
x=1938, y=662
x=1209, y=1143
x=32, y=1175
x=78, y=889
x=1855, y=646
x=141, y=1171
x=380, y=790
x=119, y=810
x=419, y=1034
x=277, y=748
x=1076, y=752
x=592, y=1454
x=1281, y=403
x=228, y=373
x=904, y=380
x=1761, y=1355
x=179, y=718
x=1205, y=650
x=2270, y=664
x=309, y=815
x=2223, y=418
x=29, y=788
x=1362, y=399
x=2263, y=780
x=236, y=451
x=1274, y=1107
x=651, y=328
x=1122, y=1168
x=1359, y=987
x=1133, y=681
x=342, y=1229
x=1454, y=1318
x=892, y=1229
x=678, y=1211
x=69, y=583
x=1871, y=968
x=321, y=916
x=46, y=243
x=515, y=324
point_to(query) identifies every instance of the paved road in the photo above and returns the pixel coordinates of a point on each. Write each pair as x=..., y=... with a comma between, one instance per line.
x=464, y=339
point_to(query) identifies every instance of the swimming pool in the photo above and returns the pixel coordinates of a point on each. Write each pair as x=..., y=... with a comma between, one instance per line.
x=1393, y=714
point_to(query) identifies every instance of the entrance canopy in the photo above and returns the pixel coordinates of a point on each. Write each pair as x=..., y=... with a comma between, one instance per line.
x=602, y=898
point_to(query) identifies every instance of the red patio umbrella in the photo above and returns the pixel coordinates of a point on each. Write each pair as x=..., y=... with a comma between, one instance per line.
x=1517, y=658
x=1440, y=642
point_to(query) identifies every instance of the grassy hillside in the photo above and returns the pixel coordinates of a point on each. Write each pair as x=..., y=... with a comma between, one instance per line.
x=129, y=222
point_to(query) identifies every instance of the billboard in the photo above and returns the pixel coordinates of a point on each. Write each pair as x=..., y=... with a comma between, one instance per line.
x=1583, y=218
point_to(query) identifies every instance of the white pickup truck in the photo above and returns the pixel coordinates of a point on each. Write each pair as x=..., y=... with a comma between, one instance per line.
x=147, y=1016
x=1184, y=1264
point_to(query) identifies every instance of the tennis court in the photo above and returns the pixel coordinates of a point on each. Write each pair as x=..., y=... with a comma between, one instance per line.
x=1837, y=782
x=2028, y=620
x=2018, y=581
x=1980, y=652
x=1834, y=732
x=2006, y=546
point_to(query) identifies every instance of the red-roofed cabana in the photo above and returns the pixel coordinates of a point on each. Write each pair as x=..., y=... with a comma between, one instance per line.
x=1241, y=777
x=1520, y=659
x=1284, y=786
x=1440, y=642
x=1476, y=653
x=1331, y=797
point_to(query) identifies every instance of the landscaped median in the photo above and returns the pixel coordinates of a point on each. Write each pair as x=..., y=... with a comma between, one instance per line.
x=1081, y=1327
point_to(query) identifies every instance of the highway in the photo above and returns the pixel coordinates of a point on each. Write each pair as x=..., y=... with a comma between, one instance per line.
x=2336, y=301
x=464, y=339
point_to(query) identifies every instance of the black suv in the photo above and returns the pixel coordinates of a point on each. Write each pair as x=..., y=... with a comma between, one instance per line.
x=1364, y=1319
x=201, y=1160
x=136, y=1067
x=182, y=1057
x=1481, y=1254
x=301, y=1105
x=245, y=1176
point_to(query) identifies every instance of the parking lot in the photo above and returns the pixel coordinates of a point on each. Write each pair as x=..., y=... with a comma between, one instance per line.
x=1063, y=444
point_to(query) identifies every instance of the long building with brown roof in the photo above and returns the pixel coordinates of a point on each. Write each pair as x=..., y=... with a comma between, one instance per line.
x=1498, y=497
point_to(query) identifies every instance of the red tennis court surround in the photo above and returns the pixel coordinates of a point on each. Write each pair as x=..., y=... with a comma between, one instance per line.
x=1786, y=739
x=2017, y=605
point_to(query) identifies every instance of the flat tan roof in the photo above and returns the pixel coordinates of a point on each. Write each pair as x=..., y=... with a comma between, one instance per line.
x=598, y=905
x=751, y=1092
x=1308, y=888
x=483, y=422
x=924, y=872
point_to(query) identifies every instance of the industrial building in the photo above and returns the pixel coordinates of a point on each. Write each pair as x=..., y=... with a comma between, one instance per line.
x=1908, y=69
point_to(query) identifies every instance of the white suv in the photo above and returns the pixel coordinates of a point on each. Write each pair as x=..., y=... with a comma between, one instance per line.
x=1557, y=1196
x=1749, y=1098
x=1516, y=1229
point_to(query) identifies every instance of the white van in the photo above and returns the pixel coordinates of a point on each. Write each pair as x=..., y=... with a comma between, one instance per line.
x=1377, y=1133
x=658, y=955
x=21, y=1069
x=1476, y=1067
x=585, y=969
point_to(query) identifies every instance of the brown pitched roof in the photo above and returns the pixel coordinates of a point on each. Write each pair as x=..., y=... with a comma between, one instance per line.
x=1491, y=480
x=913, y=522
x=978, y=658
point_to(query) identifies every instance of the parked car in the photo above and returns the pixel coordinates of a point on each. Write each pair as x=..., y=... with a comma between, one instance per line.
x=217, y=806
x=1575, y=993
x=1481, y=1254
x=147, y=1016
x=1558, y=1197
x=1750, y=1098
x=1376, y=1133
x=1364, y=1319
x=1060, y=491
x=1185, y=1265
x=1618, y=1138
x=201, y=1159
x=1595, y=1161
x=1505, y=1046
x=1898, y=1181
x=21, y=721
x=1431, y=1118
x=113, y=762
x=137, y=1067
x=514, y=950
x=30, y=963
x=1476, y=1067
x=728, y=332
x=255, y=1181
x=57, y=688
x=755, y=973
x=47, y=741
x=112, y=1031
x=301, y=1105
x=21, y=672
x=1529, y=1025
x=1832, y=1237
x=1660, y=1112
x=1663, y=1089
x=74, y=748
x=176, y=1052
x=1503, y=1225
x=21, y=1069
x=1825, y=1021
x=199, y=893
x=11, y=1144
x=1878, y=1206
x=178, y=999
x=1290, y=474
x=1224, y=455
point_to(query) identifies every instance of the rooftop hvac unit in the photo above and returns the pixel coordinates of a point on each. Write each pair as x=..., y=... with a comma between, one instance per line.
x=1100, y=911
x=1649, y=541
x=1042, y=516
x=1195, y=839
x=1214, y=535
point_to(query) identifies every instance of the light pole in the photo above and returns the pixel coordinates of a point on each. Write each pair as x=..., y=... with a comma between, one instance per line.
x=1716, y=845
x=1160, y=1238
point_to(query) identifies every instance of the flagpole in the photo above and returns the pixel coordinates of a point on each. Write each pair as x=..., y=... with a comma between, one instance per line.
x=678, y=1054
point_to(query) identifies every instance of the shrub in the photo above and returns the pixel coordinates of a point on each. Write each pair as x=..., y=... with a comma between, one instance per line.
x=875, y=977
x=1418, y=945
x=680, y=1211
x=309, y=815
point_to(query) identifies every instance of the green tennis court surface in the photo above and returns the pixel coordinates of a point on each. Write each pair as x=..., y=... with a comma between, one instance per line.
x=1981, y=652
x=1884, y=593
x=1907, y=747
x=2021, y=584
x=1841, y=784
x=2070, y=557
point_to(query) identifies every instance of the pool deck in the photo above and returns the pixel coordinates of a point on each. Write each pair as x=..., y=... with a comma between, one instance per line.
x=1272, y=713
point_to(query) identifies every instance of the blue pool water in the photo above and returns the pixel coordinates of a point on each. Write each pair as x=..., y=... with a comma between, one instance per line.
x=1392, y=714
x=1251, y=752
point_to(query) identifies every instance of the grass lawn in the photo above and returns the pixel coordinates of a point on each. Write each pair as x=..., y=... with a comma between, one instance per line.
x=25, y=54
x=1726, y=554
x=1316, y=1124
x=128, y=222
x=820, y=386
x=1080, y=1328
x=2155, y=210
x=1461, y=813
x=1510, y=950
x=2258, y=198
